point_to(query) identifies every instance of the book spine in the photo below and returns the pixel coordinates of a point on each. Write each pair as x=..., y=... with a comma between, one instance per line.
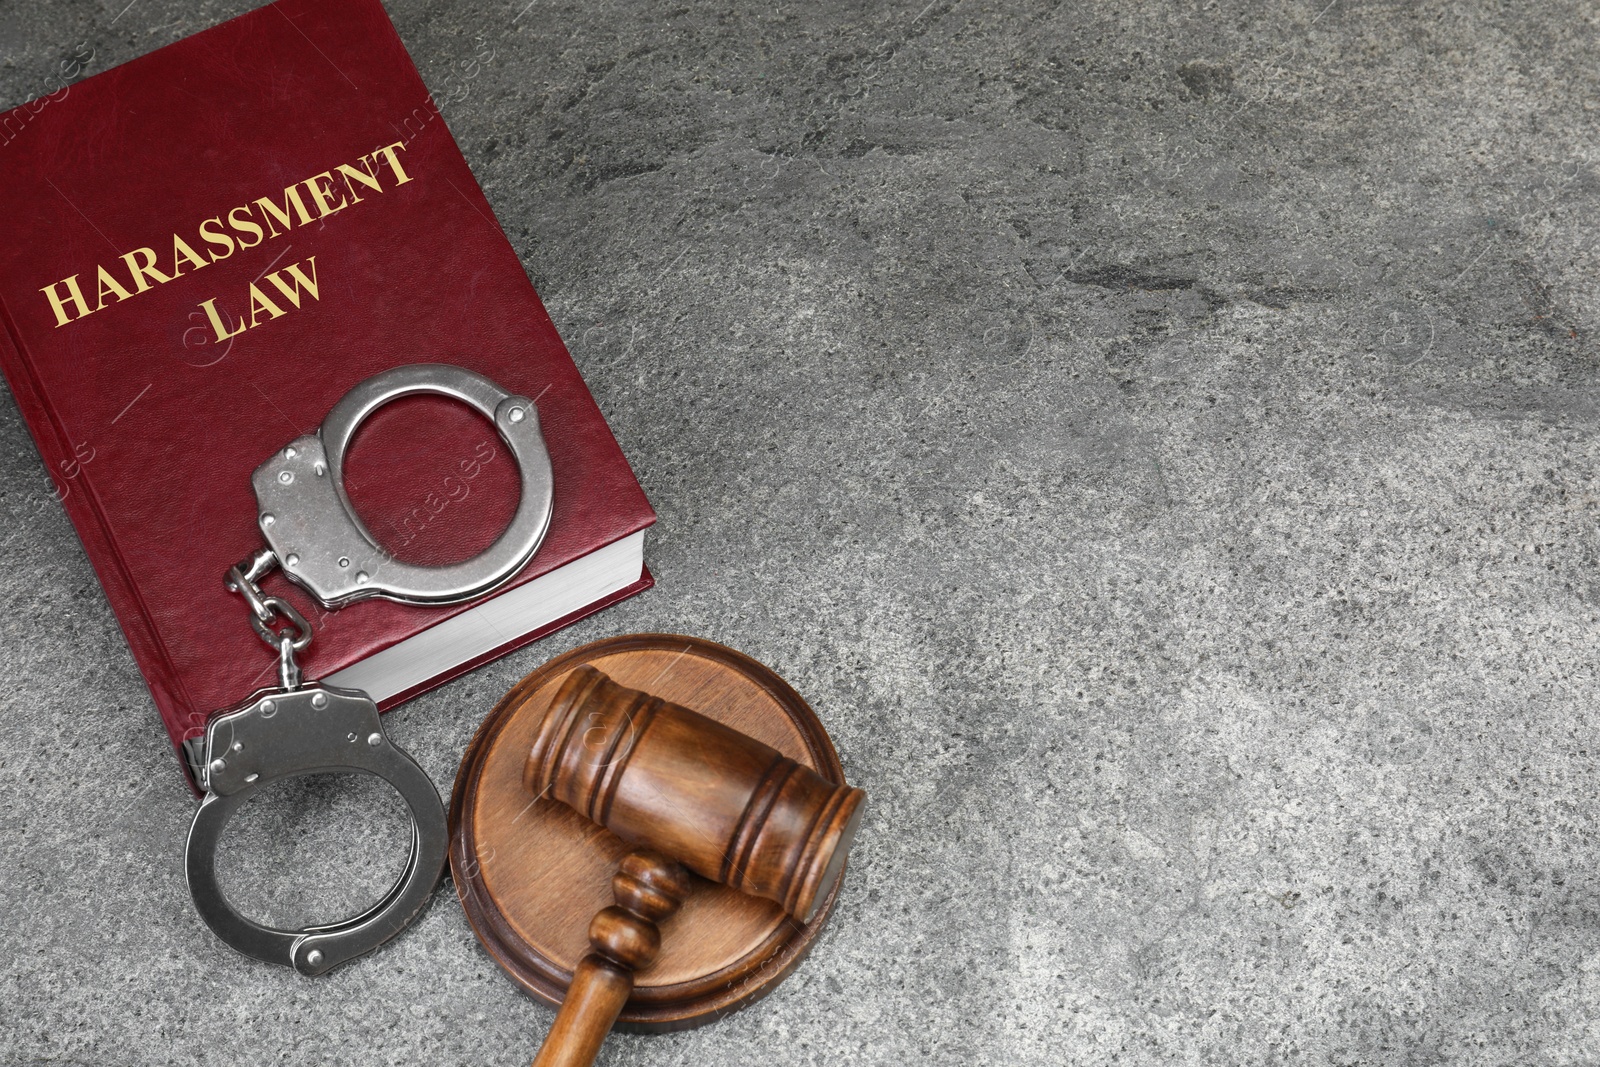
x=77, y=496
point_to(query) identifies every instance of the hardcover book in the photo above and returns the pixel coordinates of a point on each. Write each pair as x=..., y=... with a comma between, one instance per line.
x=206, y=248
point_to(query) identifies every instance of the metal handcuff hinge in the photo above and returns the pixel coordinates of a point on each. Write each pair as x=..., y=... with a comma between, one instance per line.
x=297, y=728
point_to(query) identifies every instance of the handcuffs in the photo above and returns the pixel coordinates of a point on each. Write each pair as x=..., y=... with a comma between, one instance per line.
x=303, y=727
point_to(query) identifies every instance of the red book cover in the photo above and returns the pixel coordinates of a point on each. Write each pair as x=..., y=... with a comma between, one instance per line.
x=206, y=248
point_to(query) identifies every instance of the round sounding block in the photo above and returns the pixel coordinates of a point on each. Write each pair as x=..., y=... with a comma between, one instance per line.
x=531, y=872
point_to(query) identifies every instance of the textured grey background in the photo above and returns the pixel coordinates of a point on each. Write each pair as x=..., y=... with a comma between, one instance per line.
x=1160, y=440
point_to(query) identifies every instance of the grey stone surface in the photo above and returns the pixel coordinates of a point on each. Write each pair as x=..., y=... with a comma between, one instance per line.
x=1160, y=440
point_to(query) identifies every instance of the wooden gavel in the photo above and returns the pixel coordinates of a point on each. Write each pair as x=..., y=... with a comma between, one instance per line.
x=697, y=795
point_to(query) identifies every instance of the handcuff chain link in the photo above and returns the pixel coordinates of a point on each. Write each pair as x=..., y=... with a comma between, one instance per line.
x=265, y=611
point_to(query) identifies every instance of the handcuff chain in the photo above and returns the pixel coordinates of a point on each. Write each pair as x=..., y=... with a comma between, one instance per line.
x=242, y=578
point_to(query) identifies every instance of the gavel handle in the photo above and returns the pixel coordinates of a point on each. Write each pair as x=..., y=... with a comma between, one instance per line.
x=594, y=1000
x=648, y=887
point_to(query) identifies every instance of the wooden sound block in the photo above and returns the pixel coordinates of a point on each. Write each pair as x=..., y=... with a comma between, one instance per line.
x=531, y=873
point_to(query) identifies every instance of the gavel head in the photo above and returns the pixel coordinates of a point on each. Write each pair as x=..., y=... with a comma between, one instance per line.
x=718, y=801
